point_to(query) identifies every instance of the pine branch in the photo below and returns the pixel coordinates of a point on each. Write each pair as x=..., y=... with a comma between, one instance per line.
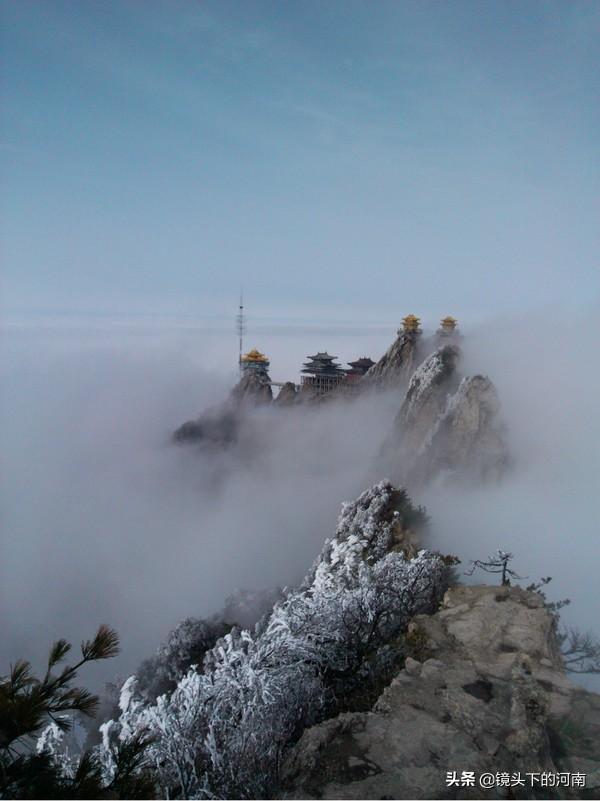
x=58, y=652
x=104, y=645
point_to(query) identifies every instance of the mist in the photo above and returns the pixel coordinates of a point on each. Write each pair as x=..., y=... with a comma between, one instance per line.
x=544, y=511
x=106, y=521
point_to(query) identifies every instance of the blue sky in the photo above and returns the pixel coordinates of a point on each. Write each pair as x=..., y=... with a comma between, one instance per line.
x=347, y=161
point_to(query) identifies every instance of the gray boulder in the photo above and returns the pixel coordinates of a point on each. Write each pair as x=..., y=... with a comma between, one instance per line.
x=485, y=691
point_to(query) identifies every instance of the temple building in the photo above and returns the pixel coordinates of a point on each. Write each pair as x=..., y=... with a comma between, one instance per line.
x=255, y=361
x=322, y=373
x=358, y=369
x=448, y=326
x=411, y=324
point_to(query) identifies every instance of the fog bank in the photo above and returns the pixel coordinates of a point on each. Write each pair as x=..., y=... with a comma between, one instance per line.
x=545, y=509
x=104, y=520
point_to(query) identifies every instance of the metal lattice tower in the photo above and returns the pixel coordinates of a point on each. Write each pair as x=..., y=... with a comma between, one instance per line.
x=241, y=329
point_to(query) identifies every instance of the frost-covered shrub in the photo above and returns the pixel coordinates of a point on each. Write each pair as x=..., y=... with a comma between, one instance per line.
x=62, y=756
x=222, y=730
x=192, y=638
x=362, y=590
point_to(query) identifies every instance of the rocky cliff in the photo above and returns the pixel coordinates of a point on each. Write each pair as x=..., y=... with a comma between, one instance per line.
x=485, y=691
x=426, y=398
x=373, y=678
x=447, y=426
x=253, y=389
x=288, y=395
x=220, y=426
x=397, y=364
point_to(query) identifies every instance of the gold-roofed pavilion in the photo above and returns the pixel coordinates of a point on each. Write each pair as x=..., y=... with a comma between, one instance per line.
x=255, y=355
x=411, y=323
x=448, y=323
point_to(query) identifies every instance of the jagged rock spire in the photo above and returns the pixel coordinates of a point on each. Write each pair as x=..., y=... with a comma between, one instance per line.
x=447, y=426
x=397, y=364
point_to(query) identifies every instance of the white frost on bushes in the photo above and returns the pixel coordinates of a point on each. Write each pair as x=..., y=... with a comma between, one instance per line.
x=222, y=731
x=53, y=742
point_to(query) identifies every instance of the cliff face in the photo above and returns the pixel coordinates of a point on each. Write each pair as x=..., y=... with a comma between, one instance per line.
x=254, y=389
x=397, y=364
x=446, y=426
x=486, y=693
x=426, y=398
x=469, y=440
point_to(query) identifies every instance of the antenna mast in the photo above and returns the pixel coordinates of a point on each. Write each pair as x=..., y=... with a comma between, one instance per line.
x=241, y=329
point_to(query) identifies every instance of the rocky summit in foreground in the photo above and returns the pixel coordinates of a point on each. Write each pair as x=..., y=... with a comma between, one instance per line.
x=373, y=678
x=485, y=691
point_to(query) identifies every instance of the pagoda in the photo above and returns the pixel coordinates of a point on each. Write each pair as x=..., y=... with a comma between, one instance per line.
x=448, y=325
x=322, y=373
x=358, y=368
x=411, y=324
x=254, y=362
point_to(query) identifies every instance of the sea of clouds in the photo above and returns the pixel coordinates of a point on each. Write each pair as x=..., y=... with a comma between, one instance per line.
x=105, y=520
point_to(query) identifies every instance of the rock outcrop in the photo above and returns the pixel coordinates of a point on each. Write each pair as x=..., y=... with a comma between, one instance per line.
x=426, y=398
x=216, y=428
x=253, y=389
x=447, y=426
x=288, y=395
x=220, y=426
x=397, y=364
x=469, y=440
x=485, y=691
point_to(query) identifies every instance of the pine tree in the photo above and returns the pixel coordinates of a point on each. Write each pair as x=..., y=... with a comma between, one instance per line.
x=29, y=703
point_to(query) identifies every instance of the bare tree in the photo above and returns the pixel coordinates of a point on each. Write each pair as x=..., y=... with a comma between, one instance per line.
x=496, y=564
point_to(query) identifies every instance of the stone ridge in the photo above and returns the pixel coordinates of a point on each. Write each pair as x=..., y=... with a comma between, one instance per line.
x=484, y=691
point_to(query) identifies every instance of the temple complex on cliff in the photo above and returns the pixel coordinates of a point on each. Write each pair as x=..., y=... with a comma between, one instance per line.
x=321, y=373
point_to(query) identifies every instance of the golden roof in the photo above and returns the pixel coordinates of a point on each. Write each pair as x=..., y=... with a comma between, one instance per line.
x=255, y=355
x=411, y=322
x=449, y=322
